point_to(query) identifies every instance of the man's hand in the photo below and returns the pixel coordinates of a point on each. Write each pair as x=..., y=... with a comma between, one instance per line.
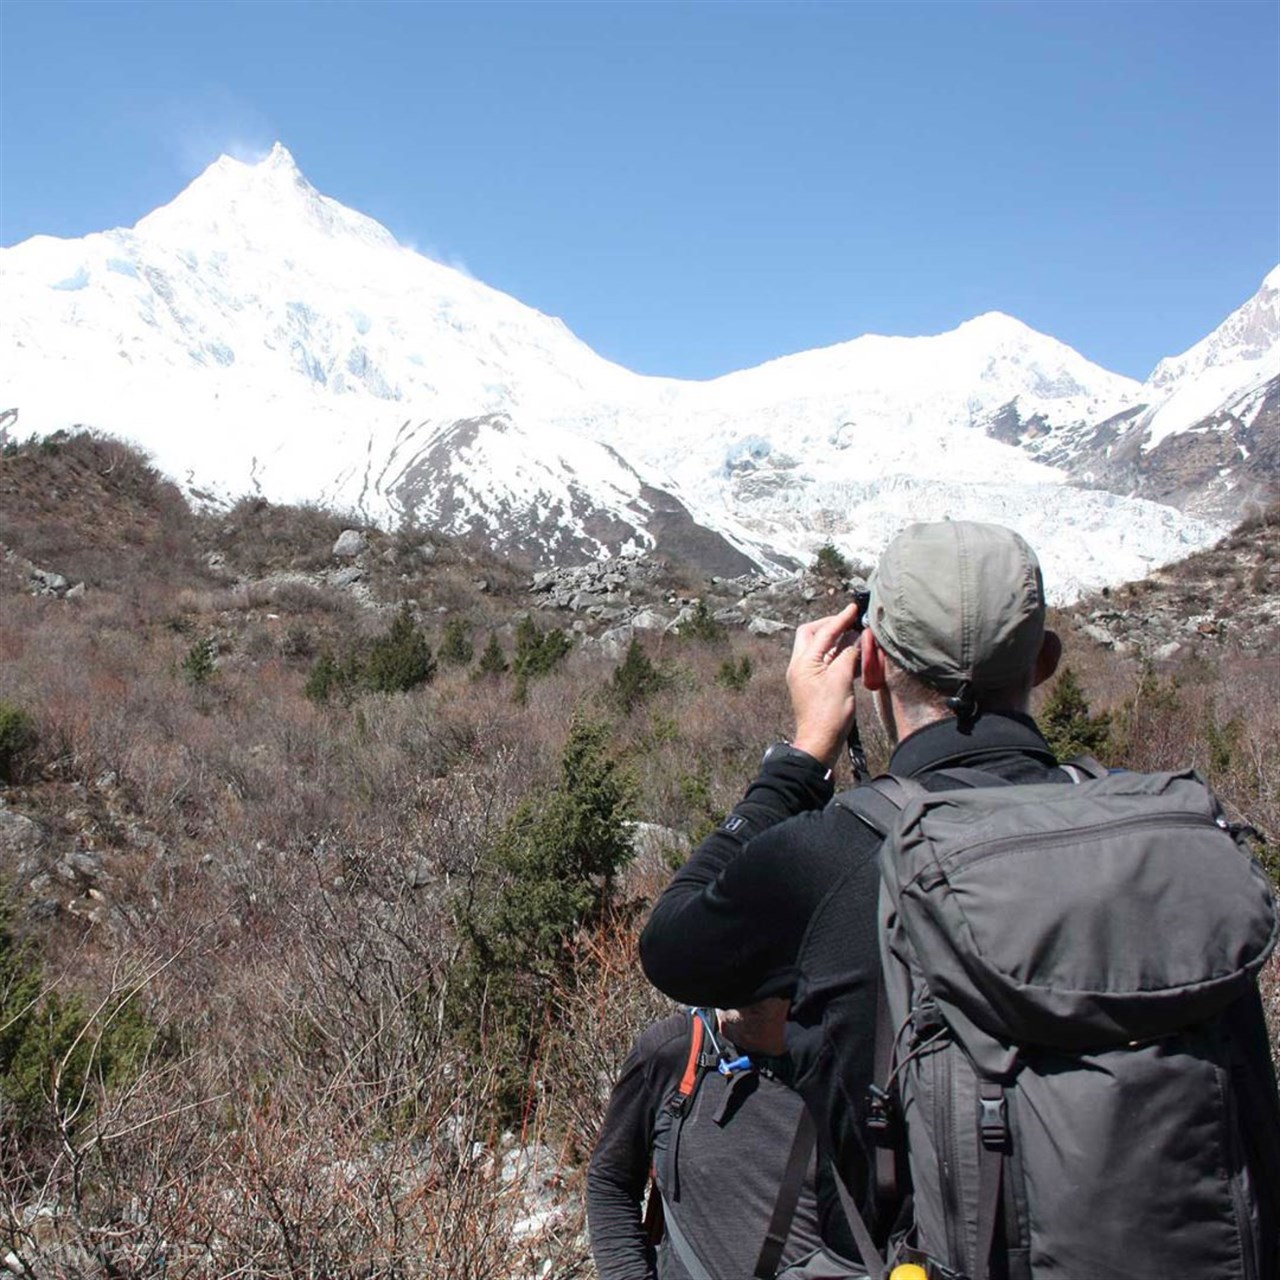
x=820, y=678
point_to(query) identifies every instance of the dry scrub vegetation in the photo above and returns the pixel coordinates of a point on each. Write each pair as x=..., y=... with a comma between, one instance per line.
x=242, y=1027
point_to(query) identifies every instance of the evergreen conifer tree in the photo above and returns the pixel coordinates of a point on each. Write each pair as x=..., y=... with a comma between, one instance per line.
x=456, y=648
x=492, y=661
x=537, y=653
x=549, y=875
x=830, y=563
x=1067, y=724
x=634, y=679
x=401, y=659
x=701, y=625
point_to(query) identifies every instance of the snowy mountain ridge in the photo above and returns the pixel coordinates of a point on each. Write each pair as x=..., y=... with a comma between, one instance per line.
x=257, y=336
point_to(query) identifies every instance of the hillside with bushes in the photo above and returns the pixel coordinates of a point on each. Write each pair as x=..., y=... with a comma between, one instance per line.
x=325, y=849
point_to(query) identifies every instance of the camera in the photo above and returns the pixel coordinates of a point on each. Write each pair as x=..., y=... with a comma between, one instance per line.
x=863, y=600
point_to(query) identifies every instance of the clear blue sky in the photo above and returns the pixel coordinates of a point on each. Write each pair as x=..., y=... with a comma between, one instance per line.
x=696, y=188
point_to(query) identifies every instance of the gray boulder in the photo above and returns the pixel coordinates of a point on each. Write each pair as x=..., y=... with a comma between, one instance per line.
x=650, y=620
x=20, y=841
x=766, y=627
x=350, y=543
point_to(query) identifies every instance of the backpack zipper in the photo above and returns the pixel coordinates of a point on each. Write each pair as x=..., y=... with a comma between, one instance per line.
x=1041, y=840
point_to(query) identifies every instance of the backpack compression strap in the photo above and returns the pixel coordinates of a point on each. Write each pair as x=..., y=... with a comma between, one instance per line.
x=784, y=1208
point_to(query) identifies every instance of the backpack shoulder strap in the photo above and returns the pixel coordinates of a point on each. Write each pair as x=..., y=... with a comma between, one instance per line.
x=700, y=1057
x=878, y=802
x=677, y=1104
x=693, y=1063
x=684, y=1247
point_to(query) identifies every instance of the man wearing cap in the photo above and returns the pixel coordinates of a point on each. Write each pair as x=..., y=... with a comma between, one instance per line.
x=780, y=901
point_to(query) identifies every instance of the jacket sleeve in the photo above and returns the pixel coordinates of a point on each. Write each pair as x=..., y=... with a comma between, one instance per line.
x=619, y=1168
x=727, y=929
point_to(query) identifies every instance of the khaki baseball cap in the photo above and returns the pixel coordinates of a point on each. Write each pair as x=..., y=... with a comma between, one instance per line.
x=958, y=603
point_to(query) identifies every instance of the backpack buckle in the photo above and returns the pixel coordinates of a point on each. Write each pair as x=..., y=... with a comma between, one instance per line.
x=992, y=1119
x=926, y=1020
x=882, y=1116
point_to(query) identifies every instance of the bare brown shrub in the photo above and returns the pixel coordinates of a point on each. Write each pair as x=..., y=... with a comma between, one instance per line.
x=257, y=536
x=285, y=875
x=144, y=532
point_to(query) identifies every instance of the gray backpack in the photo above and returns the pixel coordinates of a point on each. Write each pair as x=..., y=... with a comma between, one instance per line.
x=1076, y=1064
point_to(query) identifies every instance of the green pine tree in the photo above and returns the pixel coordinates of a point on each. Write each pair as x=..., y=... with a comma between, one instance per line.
x=17, y=739
x=401, y=659
x=634, y=679
x=829, y=563
x=735, y=675
x=200, y=663
x=456, y=648
x=550, y=874
x=492, y=660
x=701, y=625
x=538, y=653
x=37, y=1030
x=1067, y=724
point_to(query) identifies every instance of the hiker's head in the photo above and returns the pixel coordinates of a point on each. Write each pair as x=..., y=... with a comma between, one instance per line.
x=955, y=625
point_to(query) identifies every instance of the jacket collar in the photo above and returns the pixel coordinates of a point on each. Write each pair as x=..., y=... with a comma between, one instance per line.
x=945, y=743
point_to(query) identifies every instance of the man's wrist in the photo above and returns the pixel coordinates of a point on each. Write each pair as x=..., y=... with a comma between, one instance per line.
x=787, y=753
x=820, y=746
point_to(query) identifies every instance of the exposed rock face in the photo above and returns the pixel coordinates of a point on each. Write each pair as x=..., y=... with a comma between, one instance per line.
x=20, y=841
x=1228, y=595
x=1224, y=467
x=624, y=596
x=676, y=533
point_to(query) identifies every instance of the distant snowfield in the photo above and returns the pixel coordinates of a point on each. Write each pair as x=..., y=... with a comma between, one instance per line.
x=257, y=337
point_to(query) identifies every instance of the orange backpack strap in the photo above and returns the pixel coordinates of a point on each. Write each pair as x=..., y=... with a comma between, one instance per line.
x=700, y=1059
x=689, y=1080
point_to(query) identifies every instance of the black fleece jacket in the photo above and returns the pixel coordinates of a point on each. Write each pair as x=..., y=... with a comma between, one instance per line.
x=781, y=901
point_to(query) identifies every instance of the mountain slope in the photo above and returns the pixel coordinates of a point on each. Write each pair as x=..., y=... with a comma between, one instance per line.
x=258, y=337
x=1204, y=430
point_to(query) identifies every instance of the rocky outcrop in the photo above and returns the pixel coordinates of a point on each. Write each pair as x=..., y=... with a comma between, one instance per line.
x=613, y=601
x=41, y=582
x=1227, y=596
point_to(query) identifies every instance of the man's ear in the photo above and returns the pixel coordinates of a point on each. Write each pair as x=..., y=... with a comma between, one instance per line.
x=872, y=662
x=1047, y=659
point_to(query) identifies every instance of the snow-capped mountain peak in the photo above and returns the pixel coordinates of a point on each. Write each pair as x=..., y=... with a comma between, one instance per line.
x=233, y=199
x=1231, y=373
x=258, y=336
x=1250, y=333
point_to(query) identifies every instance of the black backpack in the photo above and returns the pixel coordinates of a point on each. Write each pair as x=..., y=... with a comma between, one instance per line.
x=1072, y=1055
x=663, y=1213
